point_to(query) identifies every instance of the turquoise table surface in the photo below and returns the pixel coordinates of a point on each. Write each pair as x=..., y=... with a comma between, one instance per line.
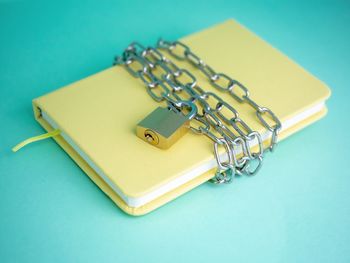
x=297, y=209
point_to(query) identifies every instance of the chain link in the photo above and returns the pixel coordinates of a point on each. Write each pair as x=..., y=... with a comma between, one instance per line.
x=165, y=81
x=227, y=84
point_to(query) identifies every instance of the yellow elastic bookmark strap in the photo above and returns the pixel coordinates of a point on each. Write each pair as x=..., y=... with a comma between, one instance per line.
x=36, y=138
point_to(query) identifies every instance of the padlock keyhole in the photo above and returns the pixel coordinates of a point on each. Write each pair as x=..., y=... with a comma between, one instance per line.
x=151, y=137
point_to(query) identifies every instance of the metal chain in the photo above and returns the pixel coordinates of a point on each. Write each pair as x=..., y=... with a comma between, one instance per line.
x=161, y=77
x=236, y=89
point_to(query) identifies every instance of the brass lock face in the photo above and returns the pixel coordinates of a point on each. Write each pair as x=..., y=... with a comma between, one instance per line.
x=163, y=127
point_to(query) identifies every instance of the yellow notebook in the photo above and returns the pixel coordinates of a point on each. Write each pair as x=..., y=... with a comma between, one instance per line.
x=98, y=117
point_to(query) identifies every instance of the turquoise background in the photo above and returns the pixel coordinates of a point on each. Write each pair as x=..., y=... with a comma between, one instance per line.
x=296, y=210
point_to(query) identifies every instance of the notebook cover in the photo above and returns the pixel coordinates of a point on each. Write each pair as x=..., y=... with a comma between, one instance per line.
x=100, y=113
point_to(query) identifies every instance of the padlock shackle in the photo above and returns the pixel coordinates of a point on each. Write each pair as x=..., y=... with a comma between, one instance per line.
x=184, y=103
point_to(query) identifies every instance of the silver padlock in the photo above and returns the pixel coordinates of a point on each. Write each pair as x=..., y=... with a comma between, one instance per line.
x=164, y=126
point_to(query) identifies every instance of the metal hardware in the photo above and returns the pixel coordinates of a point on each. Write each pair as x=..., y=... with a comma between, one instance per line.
x=163, y=127
x=226, y=169
x=218, y=120
x=237, y=90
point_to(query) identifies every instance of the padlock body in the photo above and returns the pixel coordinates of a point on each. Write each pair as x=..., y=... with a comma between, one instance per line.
x=162, y=127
